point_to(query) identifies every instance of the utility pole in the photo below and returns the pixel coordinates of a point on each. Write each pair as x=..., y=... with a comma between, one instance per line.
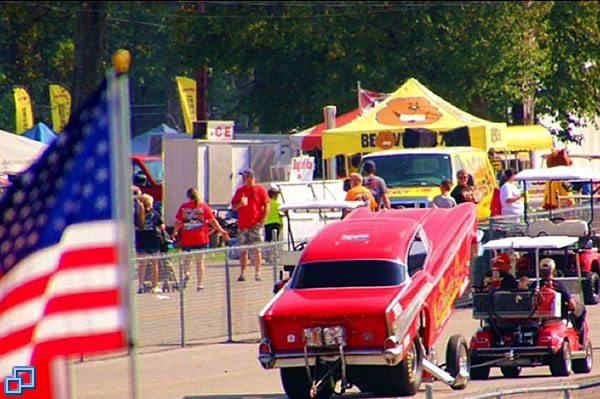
x=201, y=93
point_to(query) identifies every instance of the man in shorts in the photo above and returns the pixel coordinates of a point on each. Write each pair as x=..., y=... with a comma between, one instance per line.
x=252, y=205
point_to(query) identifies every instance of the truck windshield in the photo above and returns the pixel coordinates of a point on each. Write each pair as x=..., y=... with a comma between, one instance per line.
x=348, y=273
x=155, y=168
x=409, y=170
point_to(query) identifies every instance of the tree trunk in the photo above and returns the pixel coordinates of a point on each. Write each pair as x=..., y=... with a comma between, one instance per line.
x=89, y=50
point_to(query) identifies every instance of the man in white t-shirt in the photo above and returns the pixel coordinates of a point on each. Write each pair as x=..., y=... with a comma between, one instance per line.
x=510, y=196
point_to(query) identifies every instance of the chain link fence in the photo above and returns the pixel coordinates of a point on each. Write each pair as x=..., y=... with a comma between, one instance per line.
x=224, y=310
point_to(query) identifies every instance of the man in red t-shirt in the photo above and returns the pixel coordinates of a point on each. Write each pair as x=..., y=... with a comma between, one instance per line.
x=192, y=219
x=252, y=204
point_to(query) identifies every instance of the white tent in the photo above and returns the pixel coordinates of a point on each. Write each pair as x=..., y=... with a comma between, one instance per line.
x=17, y=152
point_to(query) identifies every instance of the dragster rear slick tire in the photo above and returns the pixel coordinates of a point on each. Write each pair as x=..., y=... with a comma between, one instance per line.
x=403, y=379
x=296, y=384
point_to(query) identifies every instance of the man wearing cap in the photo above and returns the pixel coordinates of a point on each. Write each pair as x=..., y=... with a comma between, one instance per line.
x=376, y=184
x=252, y=205
x=547, y=269
x=500, y=277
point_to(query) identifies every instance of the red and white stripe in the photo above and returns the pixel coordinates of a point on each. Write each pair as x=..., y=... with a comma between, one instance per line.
x=63, y=299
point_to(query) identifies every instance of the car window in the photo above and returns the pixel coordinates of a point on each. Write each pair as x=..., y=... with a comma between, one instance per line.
x=417, y=253
x=349, y=273
x=409, y=170
x=155, y=168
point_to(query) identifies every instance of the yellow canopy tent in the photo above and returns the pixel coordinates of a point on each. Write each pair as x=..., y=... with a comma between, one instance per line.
x=411, y=106
x=528, y=138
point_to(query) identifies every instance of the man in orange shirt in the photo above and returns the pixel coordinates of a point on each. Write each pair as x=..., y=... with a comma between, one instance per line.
x=358, y=192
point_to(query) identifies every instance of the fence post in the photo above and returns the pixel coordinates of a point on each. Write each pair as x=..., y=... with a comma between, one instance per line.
x=228, y=298
x=181, y=301
x=275, y=256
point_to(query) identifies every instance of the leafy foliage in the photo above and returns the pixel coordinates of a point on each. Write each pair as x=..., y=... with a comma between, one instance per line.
x=275, y=65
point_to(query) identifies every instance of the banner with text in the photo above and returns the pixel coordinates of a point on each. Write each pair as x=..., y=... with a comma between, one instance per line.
x=24, y=115
x=302, y=169
x=60, y=106
x=187, y=96
x=219, y=130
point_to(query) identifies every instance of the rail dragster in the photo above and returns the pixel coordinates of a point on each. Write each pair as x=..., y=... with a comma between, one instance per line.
x=367, y=301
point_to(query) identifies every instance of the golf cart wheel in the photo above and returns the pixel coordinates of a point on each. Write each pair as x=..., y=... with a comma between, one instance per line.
x=560, y=363
x=510, y=371
x=585, y=365
x=478, y=372
x=591, y=288
x=296, y=384
x=457, y=358
x=403, y=379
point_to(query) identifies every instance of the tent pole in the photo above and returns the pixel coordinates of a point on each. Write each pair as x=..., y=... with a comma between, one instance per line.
x=358, y=96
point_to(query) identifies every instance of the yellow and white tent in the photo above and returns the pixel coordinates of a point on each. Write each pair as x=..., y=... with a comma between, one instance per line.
x=411, y=106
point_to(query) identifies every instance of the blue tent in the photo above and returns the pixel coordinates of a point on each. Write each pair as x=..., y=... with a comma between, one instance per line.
x=141, y=144
x=40, y=132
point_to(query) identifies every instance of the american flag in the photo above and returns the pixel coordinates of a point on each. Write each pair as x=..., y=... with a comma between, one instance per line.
x=61, y=280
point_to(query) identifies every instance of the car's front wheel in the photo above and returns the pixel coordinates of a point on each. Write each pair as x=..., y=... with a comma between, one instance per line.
x=297, y=384
x=457, y=359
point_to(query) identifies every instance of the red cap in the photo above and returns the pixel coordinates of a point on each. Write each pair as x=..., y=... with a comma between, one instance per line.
x=501, y=259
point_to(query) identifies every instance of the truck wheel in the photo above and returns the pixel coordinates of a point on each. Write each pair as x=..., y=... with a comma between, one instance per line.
x=457, y=358
x=478, y=373
x=560, y=364
x=510, y=371
x=297, y=385
x=403, y=379
x=591, y=288
x=585, y=365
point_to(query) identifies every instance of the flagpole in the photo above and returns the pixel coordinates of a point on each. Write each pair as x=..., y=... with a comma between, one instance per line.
x=122, y=206
x=358, y=96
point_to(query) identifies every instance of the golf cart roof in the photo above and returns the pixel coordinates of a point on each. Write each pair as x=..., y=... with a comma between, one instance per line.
x=559, y=173
x=321, y=205
x=542, y=242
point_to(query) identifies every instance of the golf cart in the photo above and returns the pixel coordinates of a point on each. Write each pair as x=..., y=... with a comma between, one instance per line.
x=585, y=253
x=529, y=328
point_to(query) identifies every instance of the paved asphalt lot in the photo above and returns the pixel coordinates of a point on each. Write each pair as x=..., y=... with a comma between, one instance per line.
x=232, y=370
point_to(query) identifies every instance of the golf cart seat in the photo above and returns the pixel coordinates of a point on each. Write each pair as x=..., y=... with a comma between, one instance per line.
x=571, y=228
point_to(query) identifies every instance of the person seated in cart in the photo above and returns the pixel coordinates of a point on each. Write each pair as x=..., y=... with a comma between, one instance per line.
x=501, y=278
x=547, y=268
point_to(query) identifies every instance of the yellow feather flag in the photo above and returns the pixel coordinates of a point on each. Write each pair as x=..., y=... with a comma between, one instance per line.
x=187, y=95
x=60, y=106
x=24, y=116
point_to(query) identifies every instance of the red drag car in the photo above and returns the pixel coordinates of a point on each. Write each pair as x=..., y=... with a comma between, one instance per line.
x=368, y=300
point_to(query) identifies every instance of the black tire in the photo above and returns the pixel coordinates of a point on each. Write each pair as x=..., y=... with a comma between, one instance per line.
x=403, y=379
x=478, y=373
x=457, y=358
x=585, y=365
x=296, y=384
x=591, y=286
x=560, y=363
x=511, y=371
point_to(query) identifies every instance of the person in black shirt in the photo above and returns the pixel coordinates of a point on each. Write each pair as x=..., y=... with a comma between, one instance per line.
x=547, y=268
x=464, y=191
x=500, y=277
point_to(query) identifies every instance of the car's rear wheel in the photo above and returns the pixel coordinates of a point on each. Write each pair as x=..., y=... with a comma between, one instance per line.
x=510, y=371
x=403, y=379
x=477, y=372
x=297, y=385
x=457, y=359
x=585, y=365
x=560, y=363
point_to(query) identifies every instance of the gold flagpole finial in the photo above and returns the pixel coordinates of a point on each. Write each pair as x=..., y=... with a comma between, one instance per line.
x=121, y=59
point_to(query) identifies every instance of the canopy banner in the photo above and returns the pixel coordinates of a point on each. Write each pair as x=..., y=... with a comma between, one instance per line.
x=411, y=106
x=187, y=96
x=220, y=130
x=528, y=138
x=60, y=106
x=302, y=169
x=24, y=115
